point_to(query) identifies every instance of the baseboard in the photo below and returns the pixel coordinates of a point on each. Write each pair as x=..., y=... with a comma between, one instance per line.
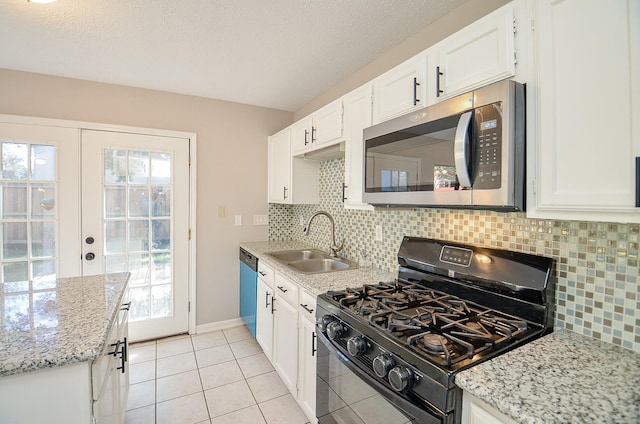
x=220, y=325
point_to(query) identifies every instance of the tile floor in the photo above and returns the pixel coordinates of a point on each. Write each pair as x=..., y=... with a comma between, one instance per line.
x=220, y=377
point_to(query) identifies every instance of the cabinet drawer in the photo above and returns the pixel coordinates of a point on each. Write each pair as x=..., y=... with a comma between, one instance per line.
x=307, y=306
x=266, y=274
x=285, y=290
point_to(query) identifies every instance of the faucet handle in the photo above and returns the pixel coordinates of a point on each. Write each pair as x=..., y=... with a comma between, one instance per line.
x=335, y=249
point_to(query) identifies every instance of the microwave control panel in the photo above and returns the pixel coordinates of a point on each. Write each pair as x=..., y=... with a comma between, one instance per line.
x=488, y=158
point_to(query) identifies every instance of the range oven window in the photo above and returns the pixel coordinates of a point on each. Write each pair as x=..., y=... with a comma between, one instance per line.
x=420, y=158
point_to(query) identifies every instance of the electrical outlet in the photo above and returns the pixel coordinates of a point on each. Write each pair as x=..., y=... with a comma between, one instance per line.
x=378, y=232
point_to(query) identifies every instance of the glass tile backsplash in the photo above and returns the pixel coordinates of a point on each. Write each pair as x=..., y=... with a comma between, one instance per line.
x=597, y=290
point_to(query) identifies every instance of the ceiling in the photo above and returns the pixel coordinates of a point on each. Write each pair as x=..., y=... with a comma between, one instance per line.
x=274, y=53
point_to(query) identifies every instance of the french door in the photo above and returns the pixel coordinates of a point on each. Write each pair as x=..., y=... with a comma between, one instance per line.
x=85, y=202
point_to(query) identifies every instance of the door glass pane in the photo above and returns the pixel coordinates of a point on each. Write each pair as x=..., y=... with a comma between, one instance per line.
x=28, y=217
x=14, y=201
x=139, y=198
x=15, y=157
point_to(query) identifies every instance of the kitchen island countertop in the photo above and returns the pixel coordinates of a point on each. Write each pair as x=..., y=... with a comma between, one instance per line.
x=563, y=377
x=314, y=283
x=59, y=322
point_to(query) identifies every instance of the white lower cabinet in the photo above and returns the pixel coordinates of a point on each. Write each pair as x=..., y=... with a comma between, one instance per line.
x=285, y=332
x=289, y=333
x=264, y=310
x=307, y=356
x=475, y=411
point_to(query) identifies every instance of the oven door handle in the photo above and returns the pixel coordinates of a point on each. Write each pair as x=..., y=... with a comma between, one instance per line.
x=461, y=144
x=422, y=416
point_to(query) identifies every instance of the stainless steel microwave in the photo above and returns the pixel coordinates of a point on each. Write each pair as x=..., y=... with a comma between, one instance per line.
x=465, y=152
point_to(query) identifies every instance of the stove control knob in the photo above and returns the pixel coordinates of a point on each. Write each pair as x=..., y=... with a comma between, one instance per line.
x=400, y=378
x=335, y=330
x=382, y=364
x=326, y=320
x=357, y=346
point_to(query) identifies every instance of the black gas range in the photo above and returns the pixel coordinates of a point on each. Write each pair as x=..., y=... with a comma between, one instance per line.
x=451, y=307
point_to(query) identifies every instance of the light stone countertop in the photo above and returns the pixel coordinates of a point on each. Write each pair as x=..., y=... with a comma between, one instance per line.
x=563, y=377
x=59, y=322
x=315, y=284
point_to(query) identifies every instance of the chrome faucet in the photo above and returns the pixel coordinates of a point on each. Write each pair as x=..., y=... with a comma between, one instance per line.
x=334, y=246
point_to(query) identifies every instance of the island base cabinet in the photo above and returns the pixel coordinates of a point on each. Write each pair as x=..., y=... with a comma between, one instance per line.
x=52, y=395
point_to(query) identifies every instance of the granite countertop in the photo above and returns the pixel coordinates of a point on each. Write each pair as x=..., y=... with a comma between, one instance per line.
x=59, y=322
x=315, y=284
x=563, y=377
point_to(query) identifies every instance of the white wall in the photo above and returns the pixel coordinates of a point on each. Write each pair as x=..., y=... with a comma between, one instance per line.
x=231, y=162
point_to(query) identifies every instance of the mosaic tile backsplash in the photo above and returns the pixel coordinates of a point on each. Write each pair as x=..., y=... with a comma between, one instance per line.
x=597, y=287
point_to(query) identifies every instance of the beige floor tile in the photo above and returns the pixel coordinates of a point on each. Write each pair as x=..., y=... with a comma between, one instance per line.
x=174, y=346
x=190, y=409
x=141, y=394
x=144, y=415
x=143, y=371
x=267, y=386
x=220, y=374
x=245, y=348
x=175, y=364
x=142, y=352
x=236, y=334
x=206, y=340
x=255, y=365
x=213, y=356
x=229, y=398
x=178, y=385
x=250, y=415
x=283, y=410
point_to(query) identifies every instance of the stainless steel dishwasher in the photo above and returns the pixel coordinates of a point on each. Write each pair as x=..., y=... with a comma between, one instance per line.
x=248, y=289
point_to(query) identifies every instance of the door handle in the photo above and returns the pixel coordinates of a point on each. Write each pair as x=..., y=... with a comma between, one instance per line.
x=461, y=142
x=90, y=256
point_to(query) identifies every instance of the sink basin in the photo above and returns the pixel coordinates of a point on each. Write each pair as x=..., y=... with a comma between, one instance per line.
x=309, y=261
x=298, y=255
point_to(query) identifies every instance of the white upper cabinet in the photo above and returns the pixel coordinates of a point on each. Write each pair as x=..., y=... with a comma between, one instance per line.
x=583, y=127
x=279, y=167
x=357, y=116
x=478, y=54
x=322, y=128
x=290, y=180
x=401, y=89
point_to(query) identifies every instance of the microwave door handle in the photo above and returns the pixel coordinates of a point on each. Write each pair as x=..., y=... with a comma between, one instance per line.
x=461, y=142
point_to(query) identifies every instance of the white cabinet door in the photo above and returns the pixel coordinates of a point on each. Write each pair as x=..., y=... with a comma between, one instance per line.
x=401, y=89
x=327, y=124
x=584, y=130
x=279, y=167
x=264, y=318
x=479, y=54
x=307, y=375
x=321, y=129
x=307, y=355
x=475, y=411
x=357, y=116
x=302, y=134
x=285, y=339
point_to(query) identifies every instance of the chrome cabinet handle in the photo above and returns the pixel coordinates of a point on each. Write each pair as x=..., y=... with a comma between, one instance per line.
x=266, y=300
x=313, y=134
x=306, y=134
x=285, y=193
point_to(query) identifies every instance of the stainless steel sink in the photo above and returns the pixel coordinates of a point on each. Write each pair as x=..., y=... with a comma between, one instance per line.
x=308, y=261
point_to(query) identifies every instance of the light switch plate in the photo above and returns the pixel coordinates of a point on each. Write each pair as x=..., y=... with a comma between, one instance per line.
x=260, y=219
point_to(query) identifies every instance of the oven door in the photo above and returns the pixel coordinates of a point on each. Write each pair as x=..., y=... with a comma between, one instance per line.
x=346, y=394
